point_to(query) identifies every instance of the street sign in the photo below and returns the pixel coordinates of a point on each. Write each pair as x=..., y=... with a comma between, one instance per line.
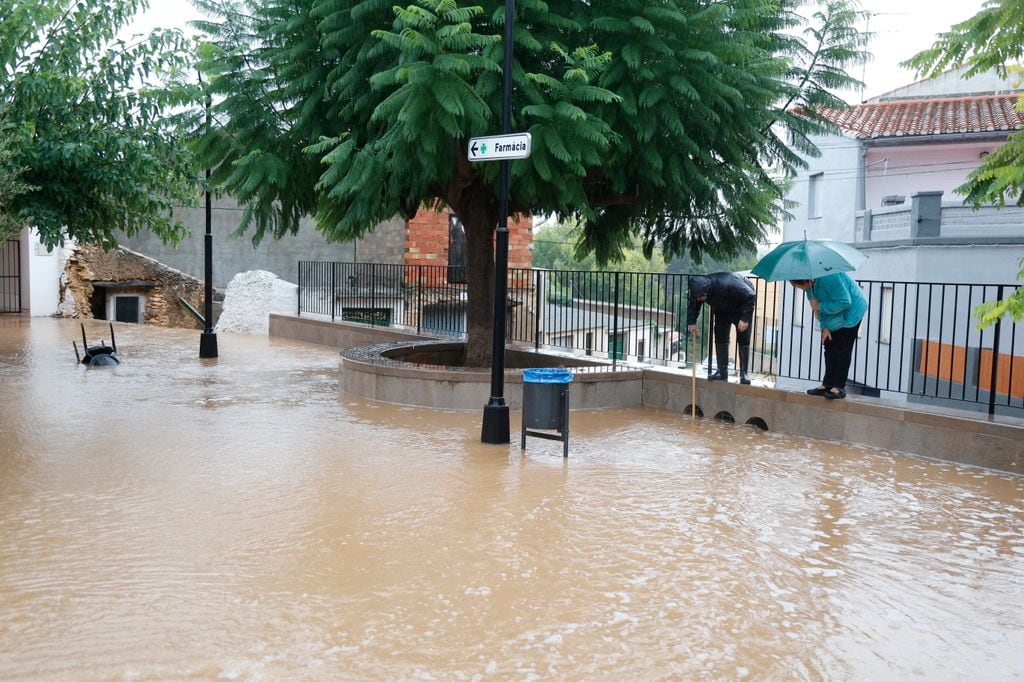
x=497, y=147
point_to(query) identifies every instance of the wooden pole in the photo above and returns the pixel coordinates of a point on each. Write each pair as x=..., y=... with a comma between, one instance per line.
x=693, y=378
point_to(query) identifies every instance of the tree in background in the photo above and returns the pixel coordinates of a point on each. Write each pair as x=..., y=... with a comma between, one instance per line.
x=11, y=185
x=557, y=247
x=668, y=122
x=991, y=39
x=85, y=119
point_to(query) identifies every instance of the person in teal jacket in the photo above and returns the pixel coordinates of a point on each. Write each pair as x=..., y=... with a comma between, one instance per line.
x=839, y=305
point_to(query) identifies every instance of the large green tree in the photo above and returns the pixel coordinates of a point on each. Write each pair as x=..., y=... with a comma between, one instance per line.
x=86, y=118
x=991, y=39
x=671, y=121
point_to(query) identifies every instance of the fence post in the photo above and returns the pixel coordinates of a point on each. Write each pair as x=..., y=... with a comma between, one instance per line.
x=334, y=292
x=418, y=278
x=995, y=358
x=298, y=301
x=537, y=310
x=615, y=320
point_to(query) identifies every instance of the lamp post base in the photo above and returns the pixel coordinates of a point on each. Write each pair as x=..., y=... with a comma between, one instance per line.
x=208, y=345
x=495, y=427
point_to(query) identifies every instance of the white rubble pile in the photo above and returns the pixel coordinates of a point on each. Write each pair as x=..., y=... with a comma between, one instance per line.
x=251, y=297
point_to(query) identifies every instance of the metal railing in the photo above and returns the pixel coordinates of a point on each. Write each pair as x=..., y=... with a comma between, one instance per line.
x=917, y=342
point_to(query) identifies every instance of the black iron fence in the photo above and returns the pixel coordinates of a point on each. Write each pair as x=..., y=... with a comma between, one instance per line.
x=918, y=341
x=10, y=276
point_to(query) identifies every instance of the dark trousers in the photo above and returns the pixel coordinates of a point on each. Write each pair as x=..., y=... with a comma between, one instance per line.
x=723, y=321
x=838, y=354
x=722, y=325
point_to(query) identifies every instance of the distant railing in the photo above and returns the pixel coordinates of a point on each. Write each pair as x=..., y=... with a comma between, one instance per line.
x=917, y=342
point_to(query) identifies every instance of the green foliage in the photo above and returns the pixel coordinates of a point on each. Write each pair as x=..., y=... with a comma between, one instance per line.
x=991, y=39
x=85, y=114
x=653, y=120
x=557, y=247
x=11, y=186
x=1013, y=305
x=666, y=122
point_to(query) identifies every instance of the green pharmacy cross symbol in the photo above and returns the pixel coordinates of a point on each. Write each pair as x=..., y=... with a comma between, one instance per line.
x=499, y=147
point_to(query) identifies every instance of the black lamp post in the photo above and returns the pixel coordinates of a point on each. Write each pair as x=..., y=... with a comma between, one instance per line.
x=208, y=339
x=495, y=425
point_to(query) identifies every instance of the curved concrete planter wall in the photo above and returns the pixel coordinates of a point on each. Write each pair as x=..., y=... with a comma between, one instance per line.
x=379, y=372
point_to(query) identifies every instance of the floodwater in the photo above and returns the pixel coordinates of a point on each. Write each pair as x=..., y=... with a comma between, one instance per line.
x=240, y=518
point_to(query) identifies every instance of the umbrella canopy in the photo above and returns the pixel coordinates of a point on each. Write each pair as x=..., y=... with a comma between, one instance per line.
x=808, y=259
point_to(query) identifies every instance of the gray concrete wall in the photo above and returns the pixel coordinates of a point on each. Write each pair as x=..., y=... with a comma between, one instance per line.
x=938, y=434
x=233, y=254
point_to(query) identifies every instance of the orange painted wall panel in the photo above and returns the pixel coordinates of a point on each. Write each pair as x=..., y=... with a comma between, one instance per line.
x=948, y=362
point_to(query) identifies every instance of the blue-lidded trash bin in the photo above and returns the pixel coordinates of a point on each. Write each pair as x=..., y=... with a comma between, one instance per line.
x=546, y=403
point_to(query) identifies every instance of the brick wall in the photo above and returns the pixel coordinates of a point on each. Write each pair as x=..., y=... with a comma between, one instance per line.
x=426, y=239
x=88, y=264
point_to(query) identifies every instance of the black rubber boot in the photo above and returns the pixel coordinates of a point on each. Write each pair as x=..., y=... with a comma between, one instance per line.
x=722, y=356
x=744, y=364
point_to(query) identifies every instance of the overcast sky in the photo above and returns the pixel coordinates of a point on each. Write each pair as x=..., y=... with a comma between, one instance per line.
x=902, y=28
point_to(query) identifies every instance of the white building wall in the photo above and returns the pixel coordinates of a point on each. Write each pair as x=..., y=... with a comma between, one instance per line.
x=904, y=170
x=836, y=174
x=41, y=270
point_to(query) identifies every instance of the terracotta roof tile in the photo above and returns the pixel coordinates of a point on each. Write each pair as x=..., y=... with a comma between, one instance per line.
x=900, y=118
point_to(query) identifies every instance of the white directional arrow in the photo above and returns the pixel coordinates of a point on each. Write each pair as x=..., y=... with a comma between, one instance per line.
x=497, y=147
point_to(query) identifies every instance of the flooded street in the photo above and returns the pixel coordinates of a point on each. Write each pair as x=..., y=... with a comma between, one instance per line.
x=240, y=518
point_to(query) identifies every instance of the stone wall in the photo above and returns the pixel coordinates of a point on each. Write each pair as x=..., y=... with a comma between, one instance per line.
x=160, y=286
x=233, y=253
x=385, y=244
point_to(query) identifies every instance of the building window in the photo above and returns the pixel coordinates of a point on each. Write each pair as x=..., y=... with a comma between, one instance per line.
x=814, y=184
x=885, y=329
x=563, y=341
x=588, y=343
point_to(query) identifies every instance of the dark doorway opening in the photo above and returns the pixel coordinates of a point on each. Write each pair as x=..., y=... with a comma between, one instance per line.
x=98, y=303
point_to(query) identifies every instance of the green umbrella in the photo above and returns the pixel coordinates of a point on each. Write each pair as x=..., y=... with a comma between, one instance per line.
x=807, y=259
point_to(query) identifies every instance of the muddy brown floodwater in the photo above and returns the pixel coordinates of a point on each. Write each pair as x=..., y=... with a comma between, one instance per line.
x=241, y=519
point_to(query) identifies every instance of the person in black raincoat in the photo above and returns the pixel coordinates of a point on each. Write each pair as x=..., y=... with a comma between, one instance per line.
x=732, y=300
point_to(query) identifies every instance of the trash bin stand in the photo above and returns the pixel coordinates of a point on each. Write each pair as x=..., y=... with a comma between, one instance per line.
x=563, y=433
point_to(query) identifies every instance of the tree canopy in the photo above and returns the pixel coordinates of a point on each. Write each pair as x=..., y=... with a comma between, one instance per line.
x=672, y=122
x=85, y=117
x=993, y=39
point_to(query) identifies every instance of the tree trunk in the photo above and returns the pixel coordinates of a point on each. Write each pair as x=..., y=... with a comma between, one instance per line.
x=479, y=221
